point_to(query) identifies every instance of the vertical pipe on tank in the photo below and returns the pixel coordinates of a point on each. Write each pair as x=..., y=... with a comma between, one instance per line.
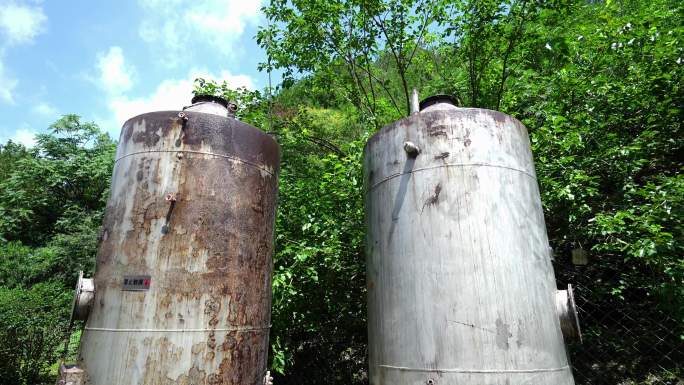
x=414, y=102
x=461, y=290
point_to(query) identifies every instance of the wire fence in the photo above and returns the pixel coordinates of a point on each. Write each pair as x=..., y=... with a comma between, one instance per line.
x=626, y=342
x=630, y=338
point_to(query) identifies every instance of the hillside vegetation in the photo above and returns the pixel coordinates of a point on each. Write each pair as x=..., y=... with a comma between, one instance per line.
x=598, y=85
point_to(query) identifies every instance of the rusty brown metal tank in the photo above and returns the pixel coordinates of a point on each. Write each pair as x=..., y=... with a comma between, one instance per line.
x=183, y=275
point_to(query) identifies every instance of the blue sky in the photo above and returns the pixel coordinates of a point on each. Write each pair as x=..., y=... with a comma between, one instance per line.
x=109, y=61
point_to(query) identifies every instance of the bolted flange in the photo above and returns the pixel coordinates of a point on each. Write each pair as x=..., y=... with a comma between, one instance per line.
x=83, y=298
x=567, y=314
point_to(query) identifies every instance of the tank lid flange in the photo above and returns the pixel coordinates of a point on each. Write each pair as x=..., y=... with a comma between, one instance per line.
x=209, y=98
x=436, y=99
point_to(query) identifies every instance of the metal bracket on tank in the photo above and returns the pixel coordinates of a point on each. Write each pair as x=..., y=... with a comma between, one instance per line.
x=183, y=122
x=232, y=109
x=567, y=314
x=183, y=118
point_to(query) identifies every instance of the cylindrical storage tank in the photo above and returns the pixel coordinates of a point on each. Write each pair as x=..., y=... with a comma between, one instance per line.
x=461, y=289
x=183, y=275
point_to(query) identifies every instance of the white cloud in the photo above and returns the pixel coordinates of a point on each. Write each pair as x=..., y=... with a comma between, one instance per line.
x=7, y=85
x=178, y=25
x=20, y=24
x=116, y=77
x=170, y=94
x=44, y=109
x=25, y=136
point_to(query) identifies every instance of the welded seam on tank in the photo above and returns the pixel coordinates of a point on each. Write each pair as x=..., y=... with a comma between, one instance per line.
x=260, y=167
x=451, y=165
x=484, y=371
x=236, y=328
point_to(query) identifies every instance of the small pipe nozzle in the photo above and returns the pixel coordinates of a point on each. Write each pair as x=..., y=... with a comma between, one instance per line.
x=414, y=102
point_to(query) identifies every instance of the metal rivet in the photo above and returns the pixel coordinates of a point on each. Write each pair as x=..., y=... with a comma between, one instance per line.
x=430, y=381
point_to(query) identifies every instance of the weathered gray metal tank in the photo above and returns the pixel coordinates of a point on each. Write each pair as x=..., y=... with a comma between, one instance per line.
x=183, y=275
x=461, y=289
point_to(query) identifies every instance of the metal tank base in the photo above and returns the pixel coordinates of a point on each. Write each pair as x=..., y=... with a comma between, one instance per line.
x=455, y=376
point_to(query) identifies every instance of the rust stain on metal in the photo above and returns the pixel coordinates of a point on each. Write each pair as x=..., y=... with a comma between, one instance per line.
x=149, y=138
x=434, y=199
x=503, y=334
x=437, y=129
x=500, y=118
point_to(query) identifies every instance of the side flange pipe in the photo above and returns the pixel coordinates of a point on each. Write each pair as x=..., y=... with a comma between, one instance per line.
x=567, y=314
x=83, y=298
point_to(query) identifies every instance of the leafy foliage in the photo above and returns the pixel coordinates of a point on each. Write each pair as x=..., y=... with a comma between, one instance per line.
x=51, y=204
x=366, y=49
x=319, y=266
x=606, y=128
x=67, y=175
x=598, y=84
x=32, y=325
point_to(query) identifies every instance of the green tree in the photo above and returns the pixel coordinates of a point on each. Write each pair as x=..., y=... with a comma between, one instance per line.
x=32, y=325
x=373, y=42
x=605, y=109
x=51, y=202
x=10, y=154
x=601, y=95
x=598, y=84
x=68, y=173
